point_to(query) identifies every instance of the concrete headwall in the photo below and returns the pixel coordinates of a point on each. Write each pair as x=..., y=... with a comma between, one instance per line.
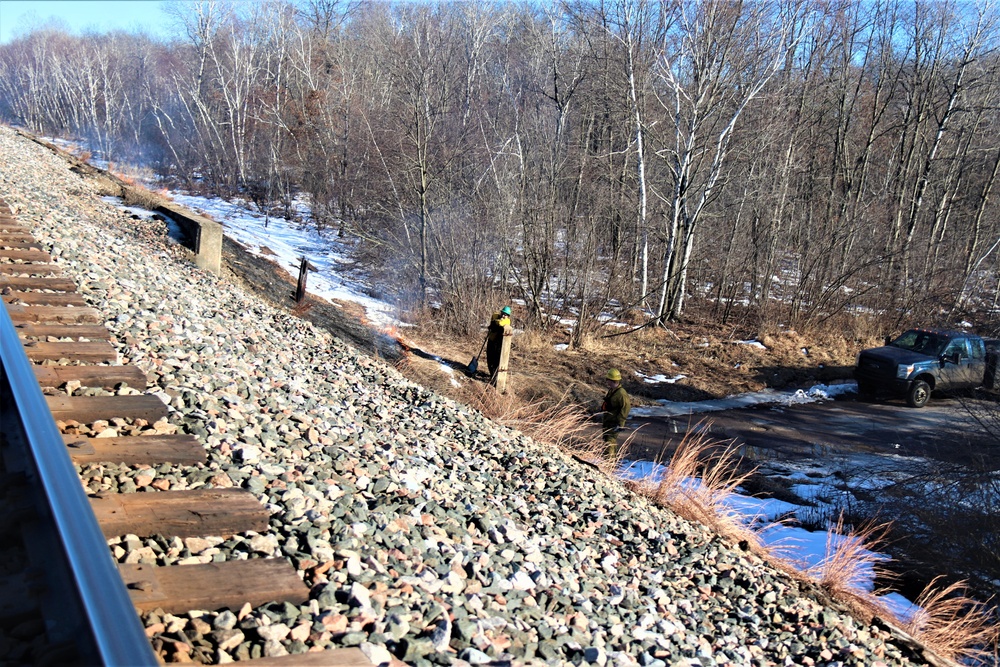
x=205, y=235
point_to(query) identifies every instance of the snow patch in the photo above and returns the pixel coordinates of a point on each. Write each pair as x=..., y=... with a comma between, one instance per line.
x=819, y=392
x=659, y=379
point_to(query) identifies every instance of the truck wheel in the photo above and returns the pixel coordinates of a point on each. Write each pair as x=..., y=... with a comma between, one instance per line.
x=919, y=394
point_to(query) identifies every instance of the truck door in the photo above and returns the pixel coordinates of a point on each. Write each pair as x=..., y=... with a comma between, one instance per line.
x=959, y=374
x=977, y=361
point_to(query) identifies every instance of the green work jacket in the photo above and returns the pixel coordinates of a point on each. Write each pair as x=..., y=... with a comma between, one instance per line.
x=616, y=408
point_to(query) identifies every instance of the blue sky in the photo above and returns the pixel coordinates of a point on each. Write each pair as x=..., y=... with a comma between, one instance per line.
x=78, y=16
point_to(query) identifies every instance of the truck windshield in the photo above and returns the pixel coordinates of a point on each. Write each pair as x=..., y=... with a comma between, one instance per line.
x=923, y=342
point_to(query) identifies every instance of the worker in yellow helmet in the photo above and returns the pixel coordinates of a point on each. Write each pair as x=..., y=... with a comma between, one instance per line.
x=615, y=410
x=499, y=327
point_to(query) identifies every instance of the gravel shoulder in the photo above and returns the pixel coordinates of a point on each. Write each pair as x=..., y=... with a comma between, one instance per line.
x=427, y=533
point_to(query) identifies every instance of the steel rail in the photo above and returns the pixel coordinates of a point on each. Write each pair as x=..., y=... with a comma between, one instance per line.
x=118, y=637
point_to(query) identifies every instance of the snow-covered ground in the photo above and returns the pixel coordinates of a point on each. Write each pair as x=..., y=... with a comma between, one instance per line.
x=286, y=242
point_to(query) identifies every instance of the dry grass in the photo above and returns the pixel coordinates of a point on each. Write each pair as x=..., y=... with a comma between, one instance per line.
x=558, y=424
x=136, y=195
x=695, y=484
x=949, y=623
x=697, y=481
x=613, y=341
x=107, y=187
x=954, y=625
x=850, y=559
x=300, y=309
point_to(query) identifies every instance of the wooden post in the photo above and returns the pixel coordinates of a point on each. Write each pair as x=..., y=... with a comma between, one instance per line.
x=300, y=290
x=501, y=379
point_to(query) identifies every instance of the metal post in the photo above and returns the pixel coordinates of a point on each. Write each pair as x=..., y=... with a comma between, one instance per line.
x=300, y=290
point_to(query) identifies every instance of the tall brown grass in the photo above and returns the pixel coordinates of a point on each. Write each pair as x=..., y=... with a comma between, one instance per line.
x=954, y=625
x=695, y=483
x=850, y=558
x=559, y=424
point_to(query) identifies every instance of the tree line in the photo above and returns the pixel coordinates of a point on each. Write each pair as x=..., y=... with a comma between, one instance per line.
x=772, y=162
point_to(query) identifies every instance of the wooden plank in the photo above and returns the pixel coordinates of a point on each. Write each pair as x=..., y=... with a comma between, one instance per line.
x=338, y=657
x=91, y=376
x=191, y=513
x=94, y=352
x=30, y=269
x=88, y=409
x=20, y=244
x=91, y=331
x=10, y=236
x=11, y=226
x=136, y=450
x=20, y=313
x=38, y=283
x=212, y=586
x=26, y=255
x=45, y=299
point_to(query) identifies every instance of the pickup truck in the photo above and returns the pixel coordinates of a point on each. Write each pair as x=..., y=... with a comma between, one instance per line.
x=921, y=361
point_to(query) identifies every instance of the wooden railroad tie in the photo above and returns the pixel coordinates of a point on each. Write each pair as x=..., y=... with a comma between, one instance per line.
x=88, y=331
x=91, y=376
x=16, y=236
x=45, y=299
x=15, y=599
x=189, y=513
x=18, y=244
x=136, y=449
x=22, y=283
x=29, y=269
x=95, y=352
x=19, y=313
x=230, y=584
x=17, y=255
x=88, y=409
x=44, y=305
x=338, y=657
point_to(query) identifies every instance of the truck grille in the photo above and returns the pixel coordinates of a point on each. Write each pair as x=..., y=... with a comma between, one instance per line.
x=876, y=367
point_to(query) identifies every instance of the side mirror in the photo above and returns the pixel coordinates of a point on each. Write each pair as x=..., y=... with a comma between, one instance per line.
x=953, y=358
x=888, y=339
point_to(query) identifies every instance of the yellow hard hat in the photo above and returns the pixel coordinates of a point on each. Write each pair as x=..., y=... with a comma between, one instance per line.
x=613, y=374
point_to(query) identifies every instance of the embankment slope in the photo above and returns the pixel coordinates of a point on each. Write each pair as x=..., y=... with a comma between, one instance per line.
x=428, y=533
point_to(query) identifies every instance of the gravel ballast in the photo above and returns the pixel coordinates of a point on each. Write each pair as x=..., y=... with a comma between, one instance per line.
x=428, y=533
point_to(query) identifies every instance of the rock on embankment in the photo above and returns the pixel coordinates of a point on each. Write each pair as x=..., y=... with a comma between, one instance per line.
x=429, y=533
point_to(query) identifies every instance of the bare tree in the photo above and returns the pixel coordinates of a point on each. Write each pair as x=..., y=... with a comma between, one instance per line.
x=715, y=59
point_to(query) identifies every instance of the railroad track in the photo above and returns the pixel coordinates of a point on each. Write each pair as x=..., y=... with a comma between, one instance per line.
x=54, y=345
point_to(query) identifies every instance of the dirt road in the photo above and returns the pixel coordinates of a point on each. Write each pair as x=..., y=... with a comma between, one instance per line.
x=946, y=430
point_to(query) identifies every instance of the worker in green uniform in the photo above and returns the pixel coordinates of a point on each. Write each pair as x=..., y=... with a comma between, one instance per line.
x=499, y=327
x=615, y=411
